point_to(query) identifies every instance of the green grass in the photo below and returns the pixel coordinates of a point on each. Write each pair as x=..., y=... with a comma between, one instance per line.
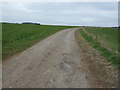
x=108, y=55
x=18, y=37
x=108, y=37
x=0, y=42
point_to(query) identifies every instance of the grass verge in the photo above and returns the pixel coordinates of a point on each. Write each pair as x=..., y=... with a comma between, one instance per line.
x=107, y=36
x=109, y=56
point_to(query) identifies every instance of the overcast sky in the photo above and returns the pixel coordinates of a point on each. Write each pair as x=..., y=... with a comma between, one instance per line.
x=62, y=13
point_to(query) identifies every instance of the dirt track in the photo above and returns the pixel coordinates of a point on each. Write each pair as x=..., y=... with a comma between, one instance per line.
x=55, y=62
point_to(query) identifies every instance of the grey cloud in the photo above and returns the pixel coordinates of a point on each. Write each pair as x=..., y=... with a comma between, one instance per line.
x=77, y=13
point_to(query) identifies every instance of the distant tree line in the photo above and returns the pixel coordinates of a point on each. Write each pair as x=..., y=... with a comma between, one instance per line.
x=8, y=23
x=31, y=23
x=115, y=27
x=20, y=23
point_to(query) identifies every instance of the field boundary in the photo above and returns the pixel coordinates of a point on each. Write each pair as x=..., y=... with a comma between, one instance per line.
x=109, y=56
x=107, y=37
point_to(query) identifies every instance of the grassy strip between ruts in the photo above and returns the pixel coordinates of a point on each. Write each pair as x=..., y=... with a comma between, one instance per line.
x=109, y=56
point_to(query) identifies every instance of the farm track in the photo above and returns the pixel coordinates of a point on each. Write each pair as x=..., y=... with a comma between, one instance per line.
x=55, y=62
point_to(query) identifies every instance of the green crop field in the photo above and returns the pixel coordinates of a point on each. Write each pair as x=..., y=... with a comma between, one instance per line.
x=0, y=42
x=108, y=37
x=105, y=41
x=18, y=37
